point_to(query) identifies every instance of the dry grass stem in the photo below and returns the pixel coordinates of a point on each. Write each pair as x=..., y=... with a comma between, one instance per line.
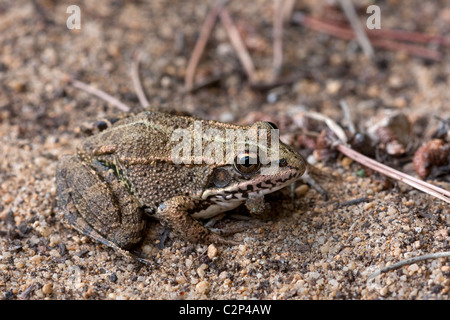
x=238, y=44
x=360, y=33
x=377, y=38
x=377, y=166
x=137, y=82
x=100, y=94
x=278, y=37
x=395, y=174
x=400, y=264
x=200, y=45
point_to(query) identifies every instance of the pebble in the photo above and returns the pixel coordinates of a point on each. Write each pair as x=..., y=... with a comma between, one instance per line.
x=384, y=291
x=346, y=162
x=413, y=268
x=301, y=190
x=202, y=287
x=325, y=248
x=180, y=279
x=333, y=86
x=369, y=205
x=37, y=259
x=47, y=288
x=201, y=270
x=391, y=211
x=212, y=251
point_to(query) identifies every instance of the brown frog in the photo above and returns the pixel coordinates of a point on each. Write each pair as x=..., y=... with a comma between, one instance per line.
x=140, y=166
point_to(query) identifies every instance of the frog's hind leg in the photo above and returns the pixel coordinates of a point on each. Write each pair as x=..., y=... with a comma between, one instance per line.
x=88, y=205
x=75, y=221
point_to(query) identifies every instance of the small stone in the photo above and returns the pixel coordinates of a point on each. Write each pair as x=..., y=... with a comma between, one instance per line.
x=325, y=248
x=413, y=268
x=346, y=162
x=47, y=288
x=391, y=211
x=113, y=277
x=165, y=82
x=369, y=205
x=384, y=291
x=397, y=252
x=242, y=248
x=223, y=275
x=201, y=270
x=301, y=190
x=202, y=287
x=212, y=251
x=180, y=279
x=333, y=86
x=37, y=259
x=55, y=239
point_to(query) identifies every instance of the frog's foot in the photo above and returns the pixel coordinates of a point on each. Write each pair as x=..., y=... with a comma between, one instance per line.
x=162, y=240
x=75, y=221
x=175, y=214
x=312, y=175
x=212, y=222
x=218, y=239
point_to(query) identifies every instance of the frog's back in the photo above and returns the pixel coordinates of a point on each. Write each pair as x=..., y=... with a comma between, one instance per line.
x=146, y=135
x=139, y=150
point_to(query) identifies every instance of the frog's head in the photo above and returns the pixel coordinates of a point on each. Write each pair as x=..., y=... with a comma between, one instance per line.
x=263, y=166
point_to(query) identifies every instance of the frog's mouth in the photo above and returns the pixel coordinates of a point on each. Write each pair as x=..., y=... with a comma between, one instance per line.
x=224, y=199
x=257, y=185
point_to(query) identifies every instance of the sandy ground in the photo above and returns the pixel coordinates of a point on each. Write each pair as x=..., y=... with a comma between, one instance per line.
x=311, y=249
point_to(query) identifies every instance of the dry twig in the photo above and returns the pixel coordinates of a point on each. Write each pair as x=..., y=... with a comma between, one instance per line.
x=238, y=44
x=360, y=33
x=278, y=37
x=409, y=261
x=100, y=94
x=408, y=36
x=377, y=166
x=200, y=45
x=137, y=82
x=381, y=39
x=347, y=114
x=395, y=174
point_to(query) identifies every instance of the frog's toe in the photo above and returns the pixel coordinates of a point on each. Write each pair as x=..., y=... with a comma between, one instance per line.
x=228, y=231
x=215, y=238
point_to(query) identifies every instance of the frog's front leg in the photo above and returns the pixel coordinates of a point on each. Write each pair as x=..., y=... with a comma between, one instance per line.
x=175, y=215
x=97, y=204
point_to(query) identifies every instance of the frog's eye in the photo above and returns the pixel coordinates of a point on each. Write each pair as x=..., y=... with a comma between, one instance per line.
x=273, y=125
x=246, y=163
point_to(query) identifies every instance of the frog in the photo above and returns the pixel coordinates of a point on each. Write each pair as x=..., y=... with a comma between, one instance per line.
x=127, y=173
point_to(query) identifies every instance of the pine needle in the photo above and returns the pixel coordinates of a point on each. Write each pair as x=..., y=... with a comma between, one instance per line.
x=341, y=145
x=409, y=261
